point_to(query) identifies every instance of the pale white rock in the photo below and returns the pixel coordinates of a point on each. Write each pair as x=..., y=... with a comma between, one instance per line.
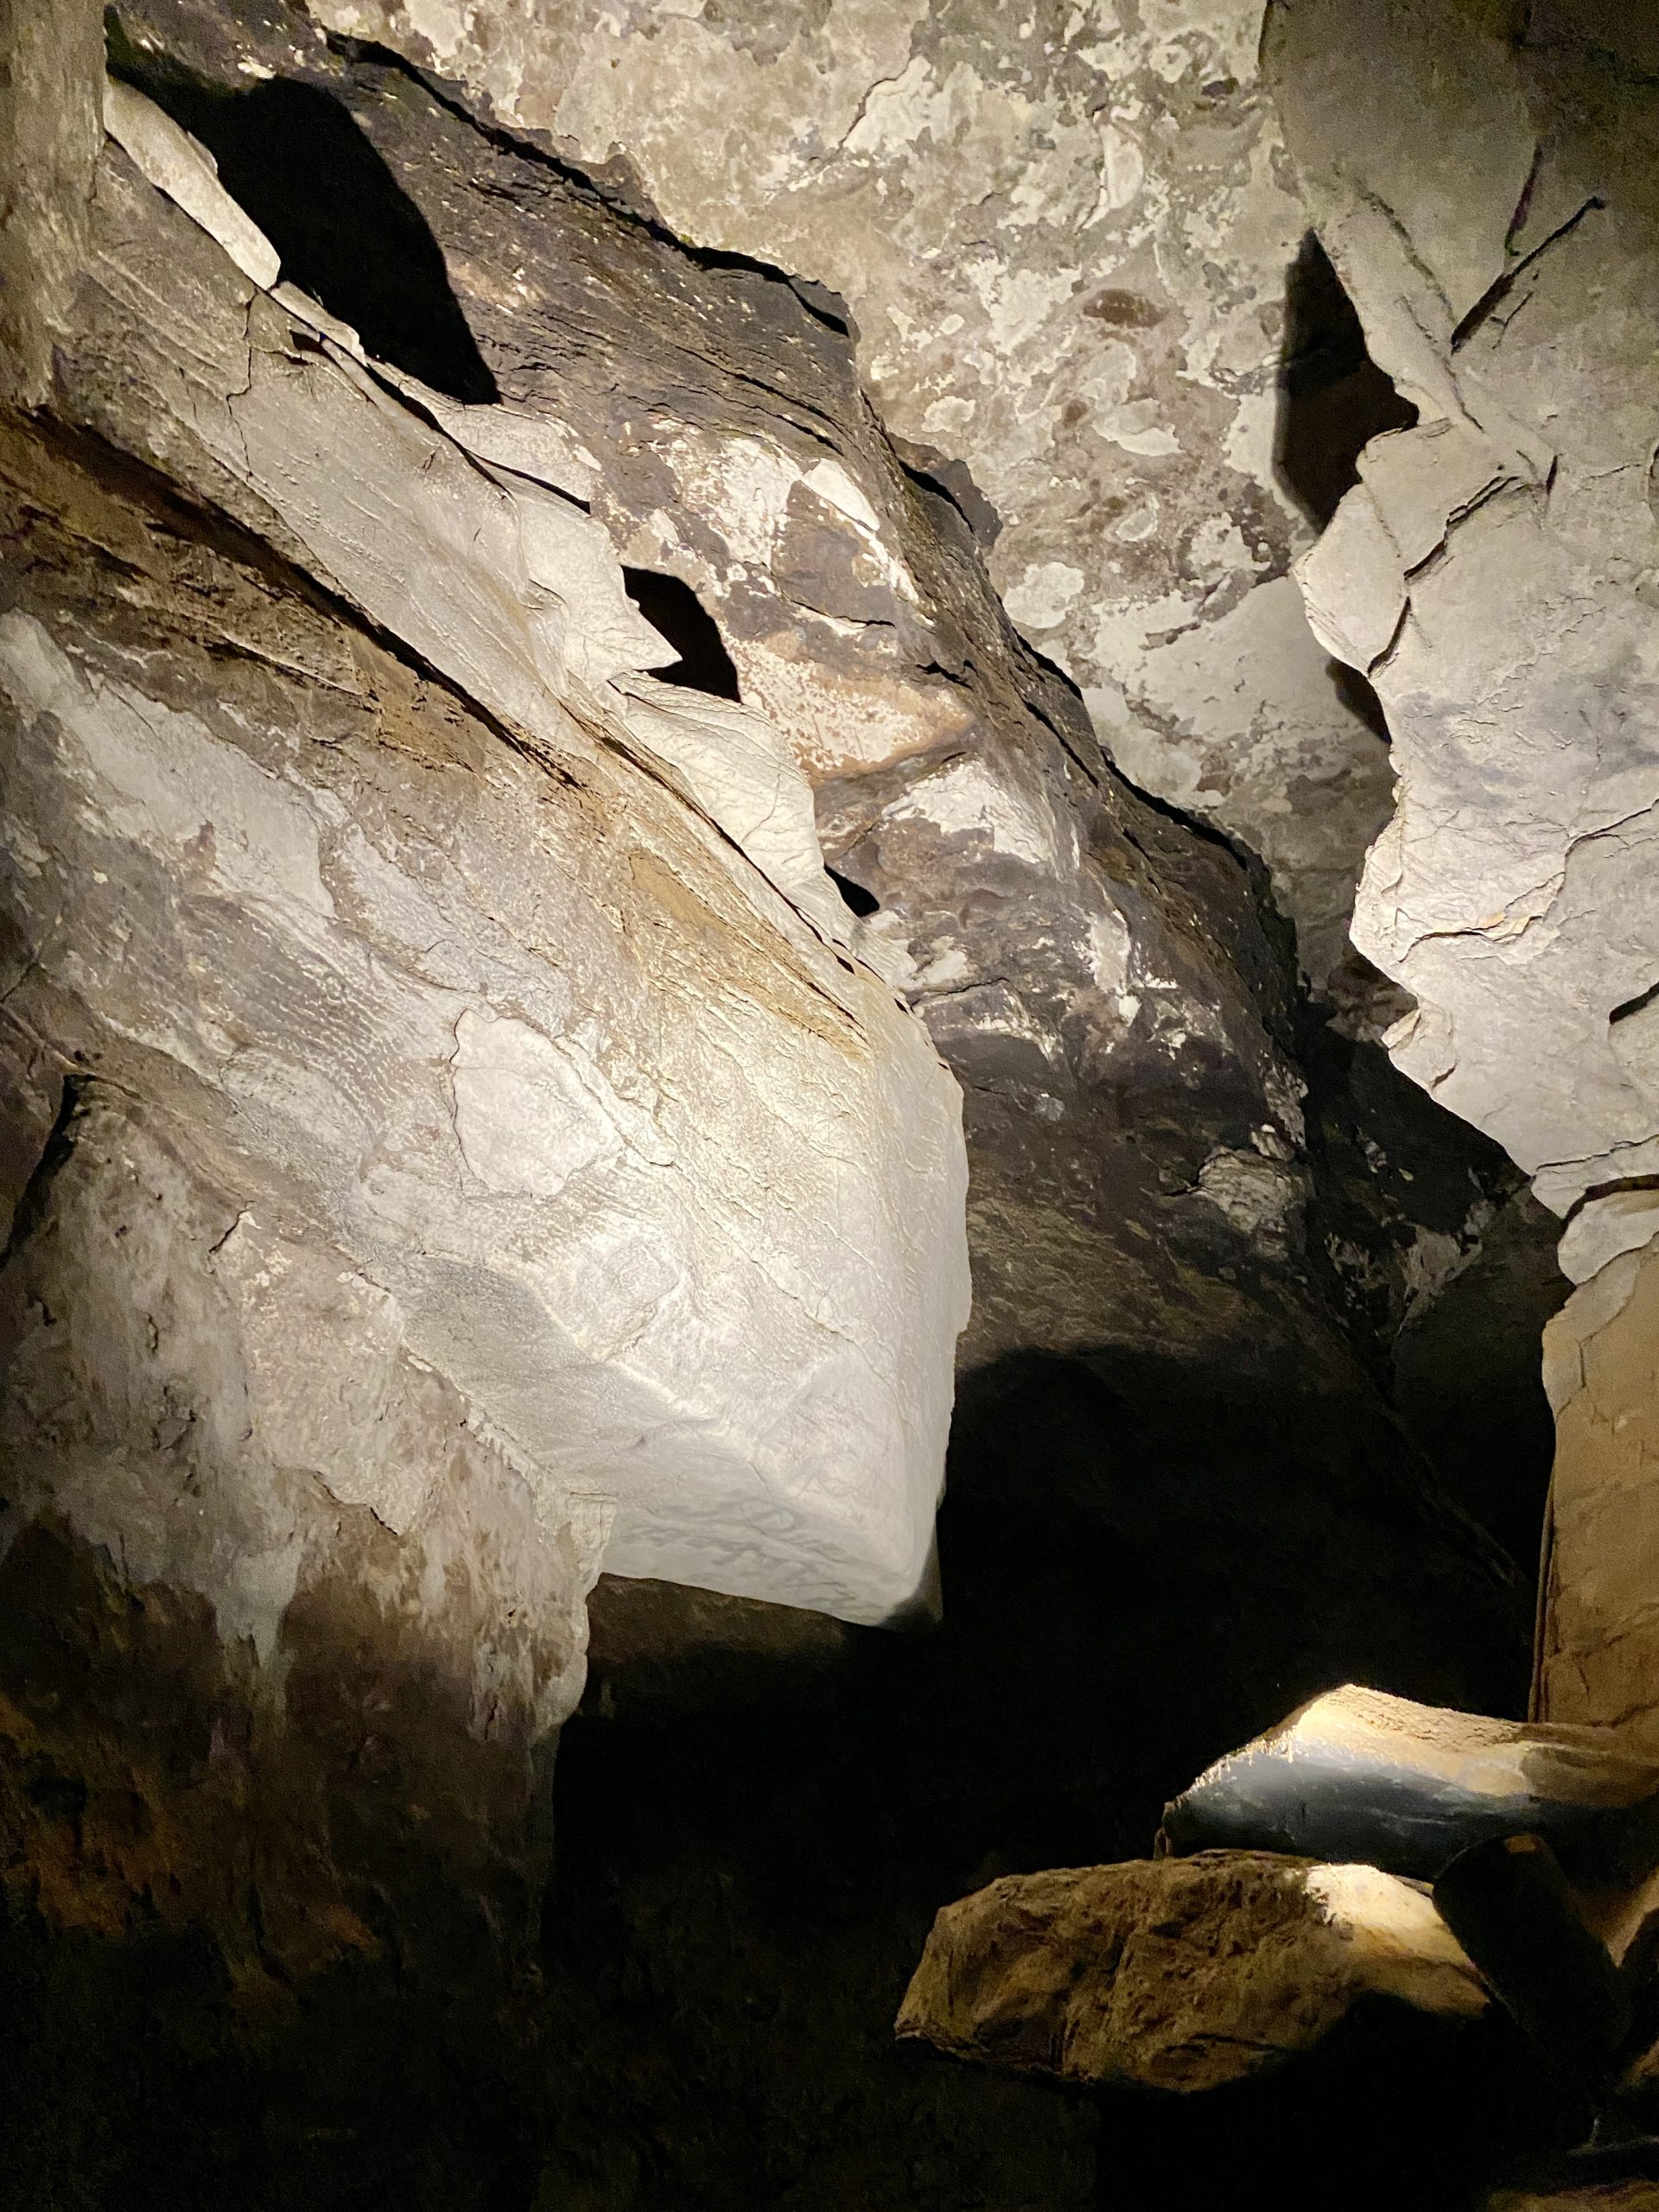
x=555, y=1055
x=1498, y=227
x=1603, y=1228
x=182, y=167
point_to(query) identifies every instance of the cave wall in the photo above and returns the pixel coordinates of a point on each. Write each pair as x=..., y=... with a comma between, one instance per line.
x=461, y=1138
x=1493, y=575
x=1070, y=240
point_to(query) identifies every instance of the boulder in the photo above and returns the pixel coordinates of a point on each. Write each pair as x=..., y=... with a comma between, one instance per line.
x=1406, y=1787
x=1182, y=1974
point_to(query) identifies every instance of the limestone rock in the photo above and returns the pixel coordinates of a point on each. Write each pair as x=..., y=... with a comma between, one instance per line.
x=1497, y=225
x=1098, y=978
x=702, y=1280
x=1067, y=245
x=1406, y=1787
x=1180, y=1975
x=1598, y=1653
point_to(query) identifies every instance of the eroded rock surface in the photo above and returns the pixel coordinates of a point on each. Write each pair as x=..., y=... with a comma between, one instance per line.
x=1492, y=575
x=1099, y=978
x=1071, y=241
x=1178, y=1974
x=700, y=1278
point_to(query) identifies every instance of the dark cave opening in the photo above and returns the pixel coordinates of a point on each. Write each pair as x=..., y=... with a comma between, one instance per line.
x=1333, y=399
x=859, y=901
x=670, y=606
x=297, y=161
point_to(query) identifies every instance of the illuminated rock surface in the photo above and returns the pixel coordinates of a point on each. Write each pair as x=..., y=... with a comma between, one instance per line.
x=1493, y=574
x=1182, y=1974
x=1066, y=238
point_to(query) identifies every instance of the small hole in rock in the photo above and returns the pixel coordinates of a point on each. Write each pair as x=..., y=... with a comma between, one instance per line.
x=1333, y=399
x=861, y=902
x=674, y=608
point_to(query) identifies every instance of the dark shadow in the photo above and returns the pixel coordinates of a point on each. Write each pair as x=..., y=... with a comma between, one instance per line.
x=1333, y=399
x=1357, y=694
x=349, y=234
x=1144, y=1561
x=860, y=901
x=674, y=609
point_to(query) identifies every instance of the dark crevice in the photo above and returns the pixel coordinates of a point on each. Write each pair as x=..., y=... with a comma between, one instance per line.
x=672, y=608
x=1641, y=1000
x=31, y=1208
x=294, y=158
x=1494, y=296
x=856, y=897
x=1333, y=399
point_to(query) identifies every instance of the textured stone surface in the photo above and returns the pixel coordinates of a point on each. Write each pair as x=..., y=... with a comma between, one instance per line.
x=1493, y=573
x=1599, y=1656
x=705, y=1276
x=1178, y=1974
x=1066, y=234
x=1359, y=1774
x=1098, y=978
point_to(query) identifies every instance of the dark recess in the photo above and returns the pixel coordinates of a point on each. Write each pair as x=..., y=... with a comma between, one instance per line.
x=348, y=232
x=674, y=608
x=1143, y=1562
x=1333, y=399
x=861, y=902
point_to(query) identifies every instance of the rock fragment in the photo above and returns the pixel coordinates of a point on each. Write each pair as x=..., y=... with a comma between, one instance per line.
x=1182, y=1974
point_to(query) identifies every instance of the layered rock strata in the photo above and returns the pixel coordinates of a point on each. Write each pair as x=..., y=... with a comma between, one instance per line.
x=540, y=1043
x=1071, y=243
x=1099, y=978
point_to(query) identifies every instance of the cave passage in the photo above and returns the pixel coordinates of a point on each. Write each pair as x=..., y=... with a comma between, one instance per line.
x=442, y=1171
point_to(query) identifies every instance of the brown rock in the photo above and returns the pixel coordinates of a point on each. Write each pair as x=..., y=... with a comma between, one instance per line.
x=1177, y=1974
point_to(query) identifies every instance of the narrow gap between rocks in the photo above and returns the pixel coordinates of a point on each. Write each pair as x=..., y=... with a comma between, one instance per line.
x=298, y=163
x=673, y=608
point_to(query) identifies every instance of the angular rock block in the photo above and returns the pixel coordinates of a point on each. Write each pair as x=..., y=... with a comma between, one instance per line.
x=1359, y=1774
x=1181, y=1974
x=481, y=968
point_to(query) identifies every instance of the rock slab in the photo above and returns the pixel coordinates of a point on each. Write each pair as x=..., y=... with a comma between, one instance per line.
x=1181, y=1975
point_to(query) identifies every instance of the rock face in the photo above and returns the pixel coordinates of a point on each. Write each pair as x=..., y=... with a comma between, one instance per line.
x=1599, y=1654
x=1492, y=573
x=699, y=1279
x=1099, y=978
x=458, y=1134
x=1181, y=1974
x=1071, y=242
